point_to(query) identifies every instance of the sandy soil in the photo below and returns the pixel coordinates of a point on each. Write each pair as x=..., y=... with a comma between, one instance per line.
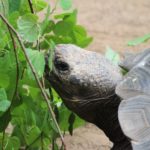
x=112, y=23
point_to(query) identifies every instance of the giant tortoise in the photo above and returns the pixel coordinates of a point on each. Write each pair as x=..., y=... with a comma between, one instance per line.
x=95, y=89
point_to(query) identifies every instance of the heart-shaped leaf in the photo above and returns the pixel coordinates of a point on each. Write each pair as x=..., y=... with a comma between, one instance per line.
x=28, y=27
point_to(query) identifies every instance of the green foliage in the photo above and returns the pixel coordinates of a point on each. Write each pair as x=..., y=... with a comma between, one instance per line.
x=21, y=102
x=4, y=103
x=38, y=61
x=4, y=7
x=28, y=27
x=39, y=5
x=12, y=142
x=66, y=4
x=112, y=55
x=139, y=40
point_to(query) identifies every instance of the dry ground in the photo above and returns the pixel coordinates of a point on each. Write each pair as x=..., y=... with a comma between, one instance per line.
x=112, y=23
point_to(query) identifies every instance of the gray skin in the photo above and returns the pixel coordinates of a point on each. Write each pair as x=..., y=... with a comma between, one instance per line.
x=86, y=81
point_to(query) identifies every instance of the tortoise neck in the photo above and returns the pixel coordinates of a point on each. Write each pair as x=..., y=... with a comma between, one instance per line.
x=107, y=120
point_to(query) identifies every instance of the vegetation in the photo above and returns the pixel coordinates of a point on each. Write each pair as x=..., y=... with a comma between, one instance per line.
x=27, y=102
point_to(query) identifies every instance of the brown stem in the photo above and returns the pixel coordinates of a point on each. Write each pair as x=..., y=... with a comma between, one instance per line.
x=31, y=6
x=36, y=77
x=53, y=10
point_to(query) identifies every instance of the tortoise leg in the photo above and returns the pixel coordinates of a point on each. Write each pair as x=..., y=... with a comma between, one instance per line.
x=134, y=118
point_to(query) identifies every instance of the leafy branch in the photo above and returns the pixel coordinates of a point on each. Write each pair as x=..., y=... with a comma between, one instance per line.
x=35, y=75
x=22, y=52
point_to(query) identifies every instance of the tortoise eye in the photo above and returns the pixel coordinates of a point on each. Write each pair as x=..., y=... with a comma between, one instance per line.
x=61, y=66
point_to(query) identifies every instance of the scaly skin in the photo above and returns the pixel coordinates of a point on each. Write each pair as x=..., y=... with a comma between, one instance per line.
x=86, y=82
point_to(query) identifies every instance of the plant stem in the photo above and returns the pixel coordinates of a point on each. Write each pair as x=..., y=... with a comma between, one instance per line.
x=53, y=10
x=31, y=7
x=17, y=64
x=36, y=77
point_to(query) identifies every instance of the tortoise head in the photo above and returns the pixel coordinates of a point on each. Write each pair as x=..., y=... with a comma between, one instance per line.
x=81, y=77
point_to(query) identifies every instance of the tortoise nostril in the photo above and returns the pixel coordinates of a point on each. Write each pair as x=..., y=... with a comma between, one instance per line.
x=74, y=80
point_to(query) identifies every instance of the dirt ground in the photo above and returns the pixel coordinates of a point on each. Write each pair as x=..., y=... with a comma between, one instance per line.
x=112, y=23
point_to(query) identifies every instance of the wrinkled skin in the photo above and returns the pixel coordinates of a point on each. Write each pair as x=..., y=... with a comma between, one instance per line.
x=86, y=82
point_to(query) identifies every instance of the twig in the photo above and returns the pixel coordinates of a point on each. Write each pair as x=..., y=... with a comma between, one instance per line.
x=53, y=10
x=36, y=77
x=31, y=6
x=17, y=64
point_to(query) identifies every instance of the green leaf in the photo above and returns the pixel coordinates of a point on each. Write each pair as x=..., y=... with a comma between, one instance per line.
x=66, y=4
x=14, y=5
x=112, y=55
x=80, y=29
x=86, y=41
x=27, y=80
x=51, y=54
x=47, y=25
x=28, y=27
x=37, y=60
x=61, y=16
x=63, y=118
x=64, y=27
x=24, y=7
x=3, y=95
x=139, y=40
x=5, y=61
x=57, y=100
x=13, y=18
x=4, y=80
x=32, y=134
x=72, y=18
x=4, y=103
x=39, y=5
x=3, y=41
x=78, y=122
x=12, y=143
x=71, y=121
x=79, y=36
x=5, y=116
